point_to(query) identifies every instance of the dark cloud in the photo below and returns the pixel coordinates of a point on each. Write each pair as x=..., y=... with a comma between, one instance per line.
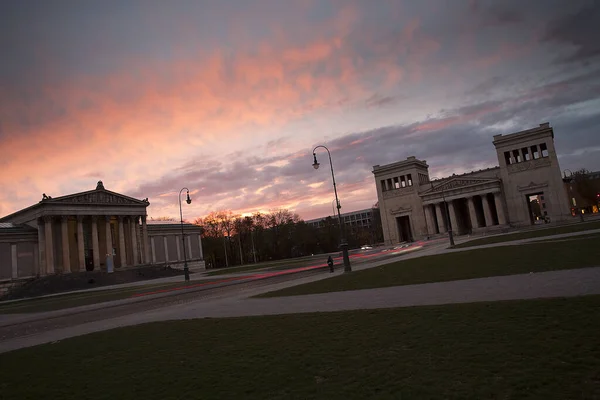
x=578, y=29
x=378, y=100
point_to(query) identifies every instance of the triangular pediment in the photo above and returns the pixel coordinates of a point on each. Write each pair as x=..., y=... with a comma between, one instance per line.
x=458, y=182
x=96, y=197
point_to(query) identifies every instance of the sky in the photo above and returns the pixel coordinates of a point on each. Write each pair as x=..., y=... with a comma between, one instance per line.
x=229, y=97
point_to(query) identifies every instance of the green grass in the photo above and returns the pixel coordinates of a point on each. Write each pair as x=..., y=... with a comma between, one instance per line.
x=535, y=349
x=534, y=233
x=478, y=263
x=63, y=301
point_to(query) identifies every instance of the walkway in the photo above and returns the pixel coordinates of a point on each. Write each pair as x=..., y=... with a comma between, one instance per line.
x=567, y=283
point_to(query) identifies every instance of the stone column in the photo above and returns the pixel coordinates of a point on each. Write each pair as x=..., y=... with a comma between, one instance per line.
x=500, y=208
x=146, y=248
x=429, y=219
x=166, y=249
x=49, y=245
x=122, y=254
x=189, y=247
x=134, y=250
x=41, y=248
x=200, y=244
x=108, y=239
x=473, y=213
x=80, y=243
x=177, y=238
x=14, y=261
x=487, y=211
x=453, y=220
x=440, y=218
x=95, y=243
x=64, y=225
x=153, y=260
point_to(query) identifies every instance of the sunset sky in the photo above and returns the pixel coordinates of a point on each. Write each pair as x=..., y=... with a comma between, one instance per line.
x=229, y=97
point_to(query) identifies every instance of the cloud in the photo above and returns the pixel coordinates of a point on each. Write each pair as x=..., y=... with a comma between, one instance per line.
x=229, y=98
x=579, y=30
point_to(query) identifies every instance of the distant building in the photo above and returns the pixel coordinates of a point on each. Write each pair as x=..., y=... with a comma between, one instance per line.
x=526, y=188
x=354, y=219
x=583, y=190
x=84, y=231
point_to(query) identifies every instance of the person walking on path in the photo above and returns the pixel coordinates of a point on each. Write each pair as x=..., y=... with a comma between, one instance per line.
x=330, y=263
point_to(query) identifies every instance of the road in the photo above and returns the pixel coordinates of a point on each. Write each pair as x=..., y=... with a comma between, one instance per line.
x=27, y=329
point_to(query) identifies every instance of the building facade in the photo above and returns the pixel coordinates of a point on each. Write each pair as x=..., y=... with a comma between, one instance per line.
x=525, y=188
x=352, y=220
x=91, y=231
x=583, y=188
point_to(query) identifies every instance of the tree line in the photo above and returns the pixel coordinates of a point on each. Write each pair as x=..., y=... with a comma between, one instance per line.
x=231, y=239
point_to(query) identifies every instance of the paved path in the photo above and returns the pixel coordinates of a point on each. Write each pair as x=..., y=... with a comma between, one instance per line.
x=540, y=285
x=566, y=283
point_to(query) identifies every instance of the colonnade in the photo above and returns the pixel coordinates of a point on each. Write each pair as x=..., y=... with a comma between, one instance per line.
x=493, y=213
x=74, y=243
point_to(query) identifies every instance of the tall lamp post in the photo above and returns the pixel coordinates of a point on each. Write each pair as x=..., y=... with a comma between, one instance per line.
x=186, y=270
x=450, y=234
x=343, y=243
x=571, y=182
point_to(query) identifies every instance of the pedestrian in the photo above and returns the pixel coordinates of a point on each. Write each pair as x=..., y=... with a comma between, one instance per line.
x=330, y=263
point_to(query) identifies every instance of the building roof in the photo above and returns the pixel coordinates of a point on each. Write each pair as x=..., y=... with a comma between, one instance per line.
x=98, y=196
x=9, y=227
x=342, y=215
x=161, y=222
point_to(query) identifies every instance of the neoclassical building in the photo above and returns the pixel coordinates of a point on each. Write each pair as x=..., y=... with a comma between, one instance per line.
x=525, y=188
x=92, y=230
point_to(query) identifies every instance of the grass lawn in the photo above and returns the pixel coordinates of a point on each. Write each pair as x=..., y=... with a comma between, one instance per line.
x=478, y=263
x=59, y=302
x=534, y=349
x=534, y=233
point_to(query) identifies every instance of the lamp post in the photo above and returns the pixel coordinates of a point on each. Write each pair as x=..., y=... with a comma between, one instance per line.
x=188, y=200
x=571, y=182
x=450, y=234
x=343, y=243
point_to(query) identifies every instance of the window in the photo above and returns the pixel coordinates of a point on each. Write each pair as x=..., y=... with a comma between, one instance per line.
x=526, y=155
x=535, y=152
x=390, y=185
x=396, y=183
x=516, y=156
x=383, y=187
x=409, y=176
x=403, y=181
x=507, y=158
x=544, y=205
x=544, y=150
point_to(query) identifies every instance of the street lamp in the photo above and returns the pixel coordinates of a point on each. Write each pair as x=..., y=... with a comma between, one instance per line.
x=450, y=234
x=571, y=182
x=188, y=200
x=343, y=243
